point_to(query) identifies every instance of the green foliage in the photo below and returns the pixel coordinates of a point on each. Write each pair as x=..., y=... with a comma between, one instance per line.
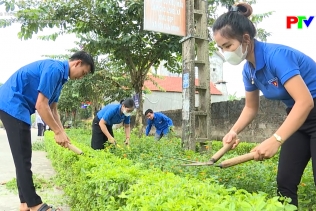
x=113, y=28
x=40, y=184
x=232, y=97
x=101, y=180
x=33, y=118
x=38, y=146
x=256, y=19
x=252, y=176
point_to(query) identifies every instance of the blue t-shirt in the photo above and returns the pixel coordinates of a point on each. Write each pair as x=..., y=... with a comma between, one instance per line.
x=111, y=114
x=275, y=65
x=19, y=93
x=161, y=123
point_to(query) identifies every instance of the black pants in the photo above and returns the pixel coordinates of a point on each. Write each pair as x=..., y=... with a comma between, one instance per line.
x=19, y=136
x=98, y=137
x=294, y=156
x=40, y=129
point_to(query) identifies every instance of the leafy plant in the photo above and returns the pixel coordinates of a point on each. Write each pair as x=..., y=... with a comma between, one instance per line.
x=251, y=176
x=232, y=97
x=38, y=146
x=143, y=177
x=40, y=183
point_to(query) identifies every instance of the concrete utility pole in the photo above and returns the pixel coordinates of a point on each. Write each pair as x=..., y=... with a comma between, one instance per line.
x=195, y=54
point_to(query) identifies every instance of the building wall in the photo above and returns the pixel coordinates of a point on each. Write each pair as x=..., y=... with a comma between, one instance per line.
x=216, y=65
x=224, y=114
x=216, y=69
x=164, y=101
x=223, y=89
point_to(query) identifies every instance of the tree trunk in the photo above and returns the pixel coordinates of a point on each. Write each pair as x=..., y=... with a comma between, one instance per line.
x=95, y=108
x=74, y=123
x=62, y=117
x=139, y=112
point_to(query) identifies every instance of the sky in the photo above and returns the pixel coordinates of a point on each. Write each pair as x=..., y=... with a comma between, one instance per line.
x=15, y=53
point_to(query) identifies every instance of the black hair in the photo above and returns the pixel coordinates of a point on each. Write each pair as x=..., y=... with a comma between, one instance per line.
x=235, y=23
x=148, y=111
x=85, y=58
x=128, y=103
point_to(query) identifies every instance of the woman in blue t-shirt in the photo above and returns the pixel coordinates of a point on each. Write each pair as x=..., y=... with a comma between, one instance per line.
x=104, y=120
x=281, y=73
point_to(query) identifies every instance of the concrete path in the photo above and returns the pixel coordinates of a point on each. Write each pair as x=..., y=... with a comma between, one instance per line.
x=41, y=166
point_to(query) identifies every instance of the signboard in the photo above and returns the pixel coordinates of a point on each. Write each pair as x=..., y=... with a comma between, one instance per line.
x=185, y=83
x=165, y=16
x=136, y=100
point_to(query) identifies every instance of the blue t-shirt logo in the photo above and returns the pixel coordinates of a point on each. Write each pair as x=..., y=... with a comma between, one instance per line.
x=274, y=81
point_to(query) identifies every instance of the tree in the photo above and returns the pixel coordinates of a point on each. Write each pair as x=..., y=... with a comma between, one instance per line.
x=111, y=27
x=69, y=103
x=106, y=27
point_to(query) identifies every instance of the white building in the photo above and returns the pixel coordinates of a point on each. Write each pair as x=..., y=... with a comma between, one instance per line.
x=168, y=96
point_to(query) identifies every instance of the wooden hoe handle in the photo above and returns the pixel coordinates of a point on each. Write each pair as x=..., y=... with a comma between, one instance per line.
x=237, y=160
x=222, y=151
x=75, y=149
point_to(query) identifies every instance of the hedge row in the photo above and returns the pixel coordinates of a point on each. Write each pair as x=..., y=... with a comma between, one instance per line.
x=99, y=180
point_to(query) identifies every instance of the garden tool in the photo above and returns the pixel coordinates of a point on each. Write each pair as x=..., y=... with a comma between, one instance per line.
x=75, y=149
x=215, y=157
x=115, y=144
x=185, y=160
x=226, y=163
x=236, y=160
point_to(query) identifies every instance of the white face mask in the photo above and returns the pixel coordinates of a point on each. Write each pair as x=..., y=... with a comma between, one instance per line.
x=126, y=113
x=235, y=57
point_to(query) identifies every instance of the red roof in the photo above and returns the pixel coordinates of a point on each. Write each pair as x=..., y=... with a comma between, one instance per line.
x=173, y=84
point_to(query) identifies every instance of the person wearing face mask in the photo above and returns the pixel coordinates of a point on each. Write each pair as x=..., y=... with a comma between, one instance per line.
x=281, y=73
x=103, y=122
x=162, y=123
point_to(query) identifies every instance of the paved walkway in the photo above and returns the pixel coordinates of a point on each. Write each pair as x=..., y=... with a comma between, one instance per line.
x=41, y=166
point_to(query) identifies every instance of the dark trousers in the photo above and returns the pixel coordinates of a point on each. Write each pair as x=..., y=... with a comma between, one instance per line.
x=98, y=137
x=40, y=129
x=19, y=136
x=294, y=156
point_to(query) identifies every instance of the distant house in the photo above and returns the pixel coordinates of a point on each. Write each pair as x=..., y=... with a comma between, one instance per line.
x=170, y=97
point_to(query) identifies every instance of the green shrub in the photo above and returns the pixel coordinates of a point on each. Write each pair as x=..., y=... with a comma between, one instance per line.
x=251, y=176
x=103, y=180
x=33, y=119
x=38, y=146
x=40, y=184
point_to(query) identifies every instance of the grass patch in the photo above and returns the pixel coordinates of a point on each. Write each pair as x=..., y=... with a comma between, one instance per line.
x=38, y=146
x=39, y=182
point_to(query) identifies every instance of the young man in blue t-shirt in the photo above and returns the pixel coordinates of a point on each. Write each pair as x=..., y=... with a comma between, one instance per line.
x=161, y=122
x=36, y=86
